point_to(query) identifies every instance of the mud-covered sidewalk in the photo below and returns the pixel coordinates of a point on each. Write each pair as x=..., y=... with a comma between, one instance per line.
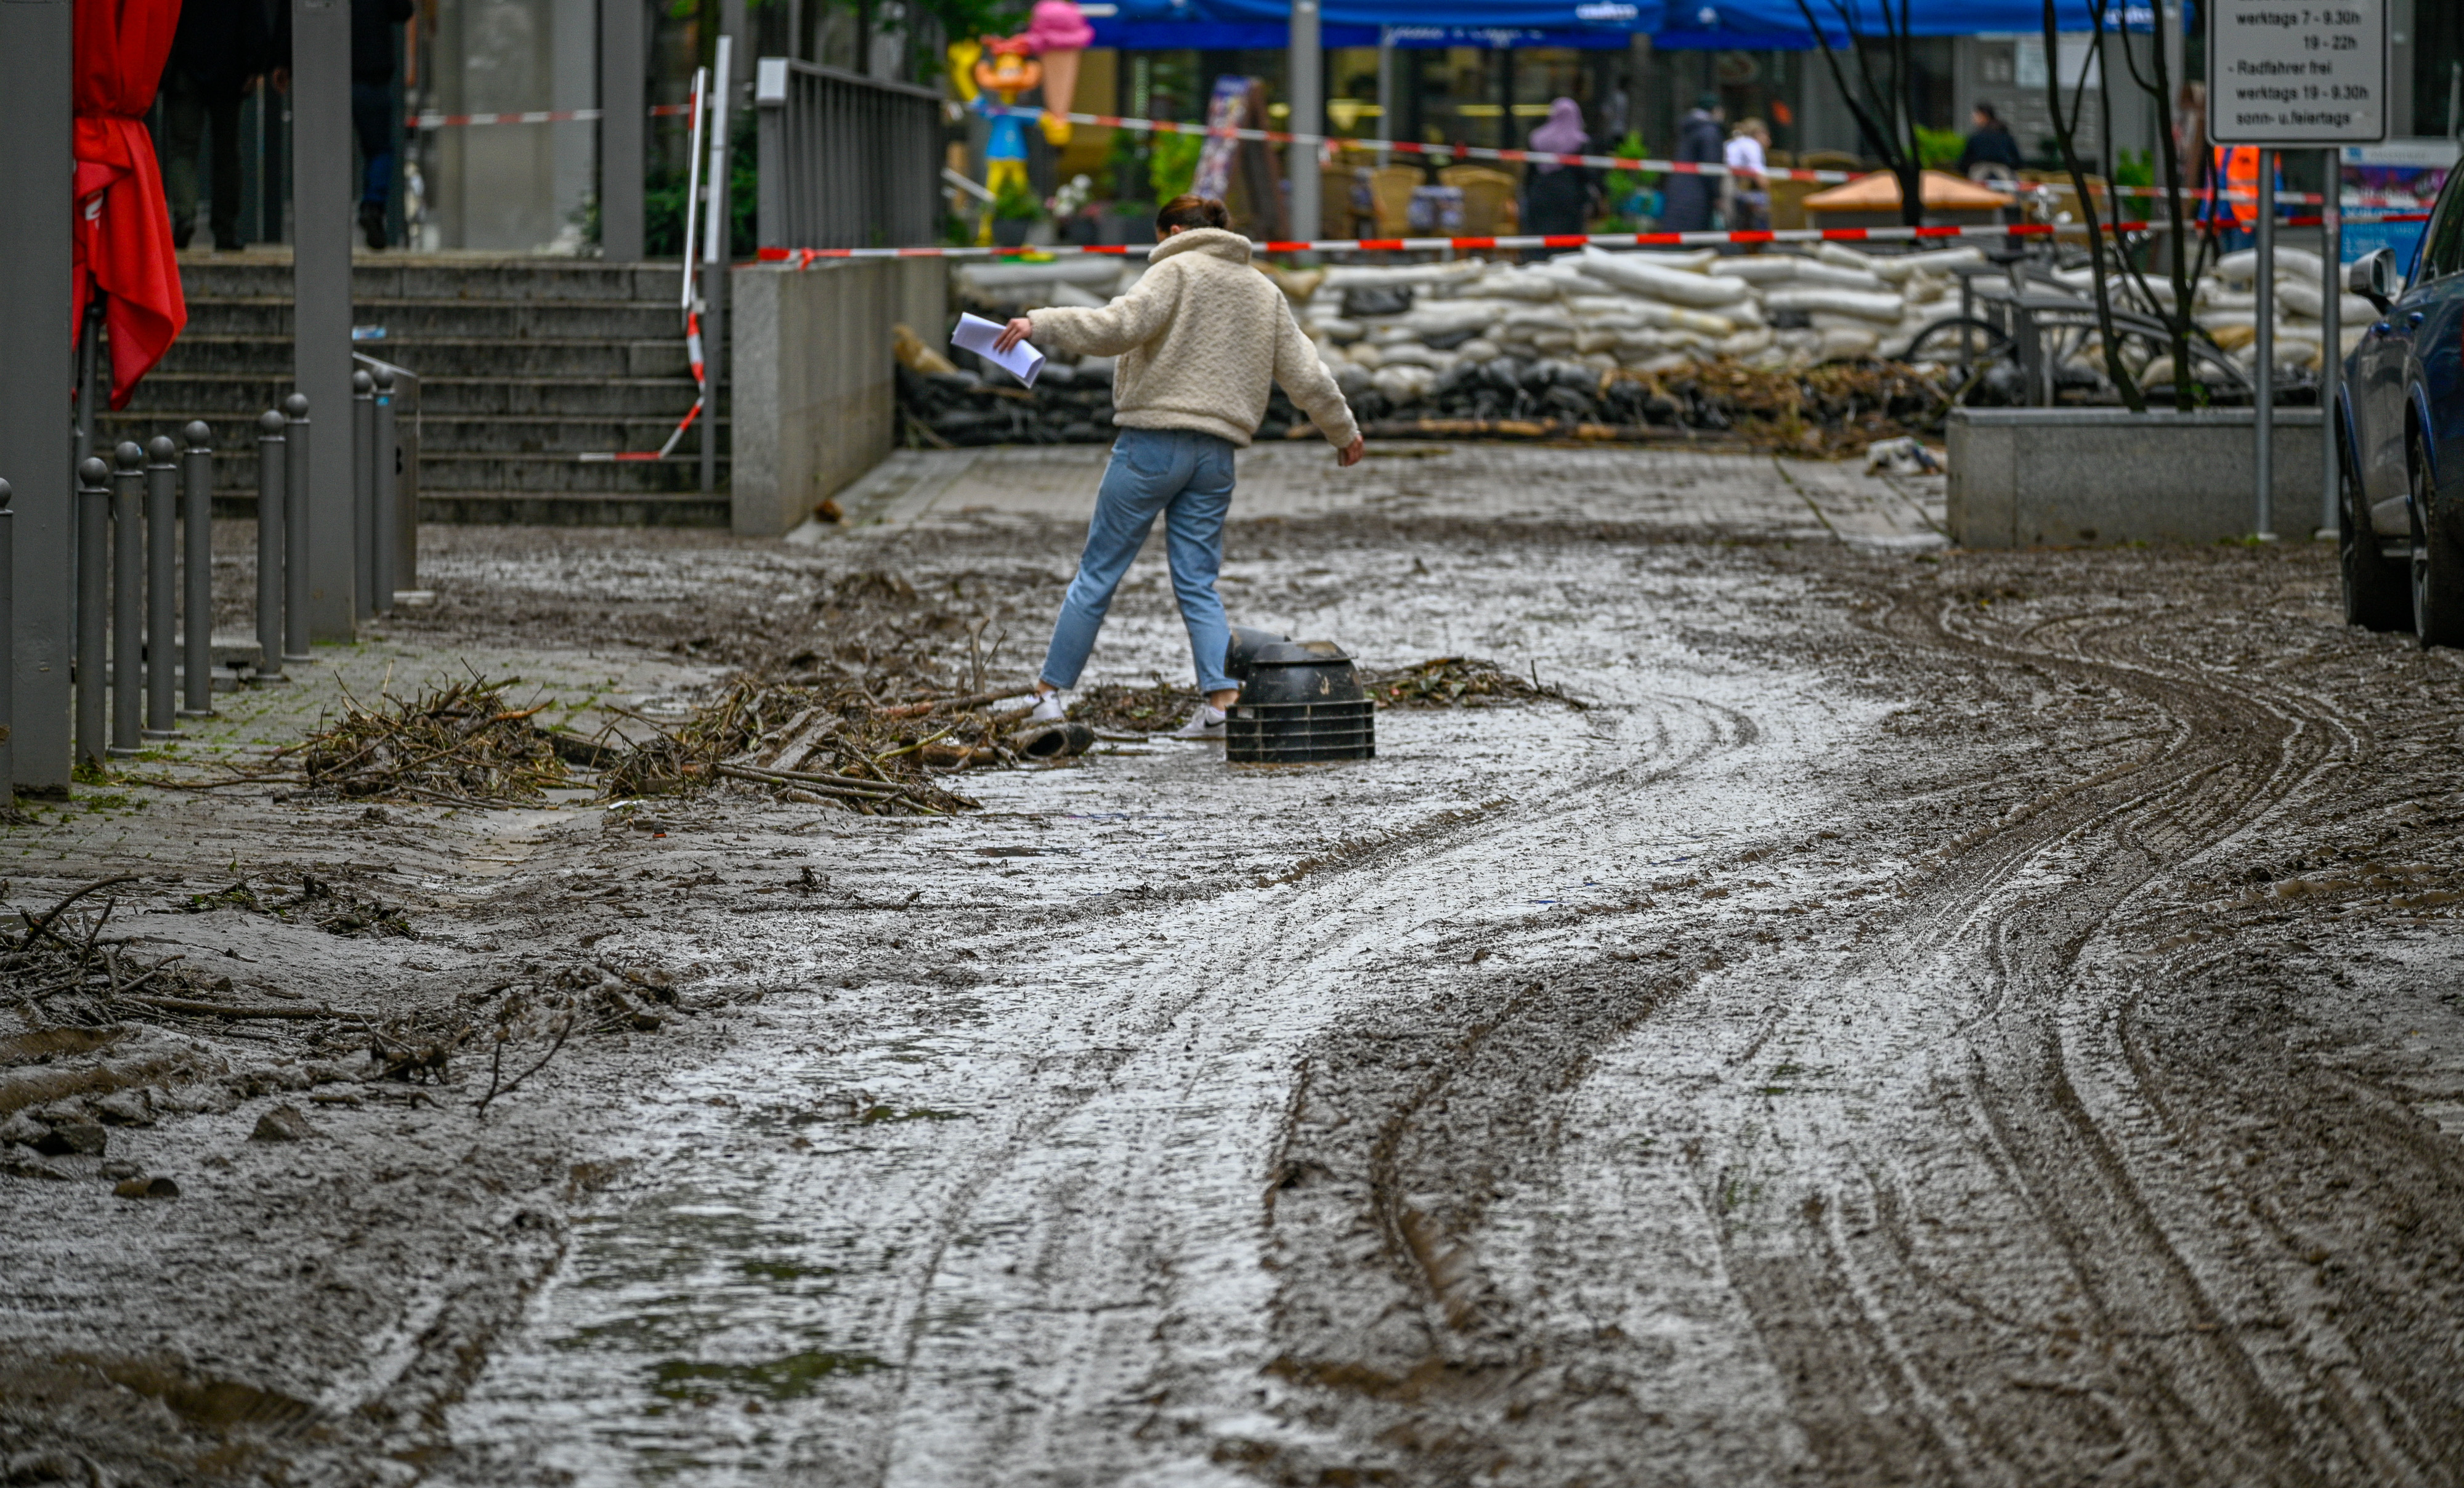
x=1922, y=1017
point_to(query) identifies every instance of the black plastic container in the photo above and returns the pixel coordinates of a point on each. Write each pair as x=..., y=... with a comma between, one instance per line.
x=1301, y=703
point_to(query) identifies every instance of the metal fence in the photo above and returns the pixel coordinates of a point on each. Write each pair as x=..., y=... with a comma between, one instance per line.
x=846, y=162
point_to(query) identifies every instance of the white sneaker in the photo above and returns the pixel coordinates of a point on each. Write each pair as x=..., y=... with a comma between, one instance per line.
x=1205, y=726
x=1049, y=708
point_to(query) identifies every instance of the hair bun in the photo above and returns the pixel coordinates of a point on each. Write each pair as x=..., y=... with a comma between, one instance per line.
x=1193, y=211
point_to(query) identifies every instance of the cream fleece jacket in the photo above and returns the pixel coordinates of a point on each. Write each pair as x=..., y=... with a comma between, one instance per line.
x=1202, y=339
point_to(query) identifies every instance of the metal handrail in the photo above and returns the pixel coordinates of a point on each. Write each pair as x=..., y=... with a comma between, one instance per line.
x=846, y=160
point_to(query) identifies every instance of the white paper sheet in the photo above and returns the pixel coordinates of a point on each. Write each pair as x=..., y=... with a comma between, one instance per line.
x=975, y=334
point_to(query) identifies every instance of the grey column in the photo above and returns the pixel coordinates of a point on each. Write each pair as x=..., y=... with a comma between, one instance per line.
x=387, y=462
x=35, y=328
x=323, y=200
x=2263, y=369
x=1305, y=83
x=94, y=583
x=622, y=121
x=162, y=585
x=304, y=526
x=197, y=565
x=2331, y=335
x=363, y=491
x=1385, y=90
x=273, y=466
x=8, y=630
x=127, y=597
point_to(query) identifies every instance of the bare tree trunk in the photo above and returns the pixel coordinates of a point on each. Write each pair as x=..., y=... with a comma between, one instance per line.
x=1883, y=114
x=2177, y=249
x=2064, y=129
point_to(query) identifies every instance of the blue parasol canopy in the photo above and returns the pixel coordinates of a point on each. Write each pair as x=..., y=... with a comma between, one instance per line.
x=1238, y=24
x=1758, y=25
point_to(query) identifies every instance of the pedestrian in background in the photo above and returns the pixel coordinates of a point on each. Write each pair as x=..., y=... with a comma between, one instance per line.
x=1201, y=340
x=1685, y=198
x=1991, y=153
x=373, y=62
x=1749, y=181
x=218, y=54
x=1559, y=198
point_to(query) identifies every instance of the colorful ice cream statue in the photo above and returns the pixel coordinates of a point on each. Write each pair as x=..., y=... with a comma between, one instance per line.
x=1056, y=33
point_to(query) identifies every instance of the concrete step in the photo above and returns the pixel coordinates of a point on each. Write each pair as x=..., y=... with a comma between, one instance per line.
x=269, y=317
x=688, y=509
x=475, y=356
x=242, y=396
x=527, y=474
x=211, y=276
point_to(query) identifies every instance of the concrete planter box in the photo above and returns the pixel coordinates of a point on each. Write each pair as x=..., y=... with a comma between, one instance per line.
x=812, y=401
x=2061, y=477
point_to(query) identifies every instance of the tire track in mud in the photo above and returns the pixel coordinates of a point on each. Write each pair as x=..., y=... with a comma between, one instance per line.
x=1170, y=1182
x=1913, y=1343
x=2111, y=1338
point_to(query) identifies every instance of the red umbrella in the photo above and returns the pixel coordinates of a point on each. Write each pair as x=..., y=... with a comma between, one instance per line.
x=123, y=228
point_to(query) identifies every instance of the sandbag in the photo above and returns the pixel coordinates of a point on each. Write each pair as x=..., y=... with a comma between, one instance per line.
x=1677, y=286
x=1899, y=267
x=1886, y=308
x=1365, y=276
x=2303, y=297
x=1760, y=268
x=1747, y=343
x=1845, y=345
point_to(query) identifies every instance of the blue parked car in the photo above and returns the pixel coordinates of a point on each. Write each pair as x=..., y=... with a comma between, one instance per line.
x=2401, y=521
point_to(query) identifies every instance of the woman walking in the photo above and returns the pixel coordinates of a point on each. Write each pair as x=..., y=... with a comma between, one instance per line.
x=1559, y=198
x=1202, y=339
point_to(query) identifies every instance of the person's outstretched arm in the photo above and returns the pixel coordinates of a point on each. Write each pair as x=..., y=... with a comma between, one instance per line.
x=1132, y=320
x=1312, y=387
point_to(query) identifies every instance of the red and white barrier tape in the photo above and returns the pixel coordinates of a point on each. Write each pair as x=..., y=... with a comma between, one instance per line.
x=805, y=257
x=1331, y=143
x=560, y=116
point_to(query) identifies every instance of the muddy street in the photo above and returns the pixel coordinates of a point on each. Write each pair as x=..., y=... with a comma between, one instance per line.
x=1855, y=1013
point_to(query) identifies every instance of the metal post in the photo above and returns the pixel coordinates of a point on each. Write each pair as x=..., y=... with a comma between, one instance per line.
x=1385, y=88
x=715, y=220
x=38, y=328
x=388, y=461
x=324, y=200
x=197, y=566
x=8, y=647
x=620, y=126
x=94, y=580
x=1304, y=75
x=2264, y=374
x=162, y=585
x=2331, y=335
x=363, y=493
x=301, y=520
x=127, y=597
x=272, y=467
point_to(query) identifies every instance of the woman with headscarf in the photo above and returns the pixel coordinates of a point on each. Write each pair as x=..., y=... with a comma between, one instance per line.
x=1557, y=197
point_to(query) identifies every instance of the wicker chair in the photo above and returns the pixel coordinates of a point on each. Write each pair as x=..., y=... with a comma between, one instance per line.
x=1489, y=206
x=1390, y=187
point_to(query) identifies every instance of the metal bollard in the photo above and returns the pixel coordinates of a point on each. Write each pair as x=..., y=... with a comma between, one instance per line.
x=8, y=649
x=294, y=532
x=363, y=491
x=162, y=585
x=197, y=565
x=93, y=577
x=386, y=456
x=128, y=598
x=272, y=465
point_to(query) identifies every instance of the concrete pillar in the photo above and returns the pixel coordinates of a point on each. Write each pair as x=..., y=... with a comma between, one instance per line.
x=35, y=174
x=622, y=124
x=1304, y=88
x=322, y=202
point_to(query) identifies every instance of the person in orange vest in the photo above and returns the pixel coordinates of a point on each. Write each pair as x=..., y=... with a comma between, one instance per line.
x=2233, y=185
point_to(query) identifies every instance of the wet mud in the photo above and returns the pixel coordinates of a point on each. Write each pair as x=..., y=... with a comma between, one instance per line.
x=1929, y=1018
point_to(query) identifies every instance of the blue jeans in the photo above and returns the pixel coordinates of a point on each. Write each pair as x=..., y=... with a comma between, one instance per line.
x=1184, y=477
x=372, y=116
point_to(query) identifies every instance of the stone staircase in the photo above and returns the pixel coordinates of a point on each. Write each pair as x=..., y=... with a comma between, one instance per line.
x=523, y=364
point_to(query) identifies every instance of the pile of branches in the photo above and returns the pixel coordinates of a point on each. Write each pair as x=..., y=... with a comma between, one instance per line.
x=1460, y=682
x=505, y=1023
x=59, y=969
x=461, y=744
x=824, y=742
